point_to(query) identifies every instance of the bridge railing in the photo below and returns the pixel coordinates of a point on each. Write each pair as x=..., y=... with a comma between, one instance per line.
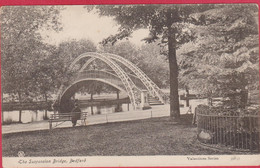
x=112, y=78
x=109, y=76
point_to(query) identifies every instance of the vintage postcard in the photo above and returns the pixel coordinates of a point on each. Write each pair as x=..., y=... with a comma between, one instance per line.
x=130, y=85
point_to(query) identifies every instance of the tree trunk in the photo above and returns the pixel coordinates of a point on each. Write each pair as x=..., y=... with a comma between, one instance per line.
x=210, y=101
x=174, y=95
x=46, y=101
x=91, y=97
x=20, y=104
x=187, y=97
x=91, y=108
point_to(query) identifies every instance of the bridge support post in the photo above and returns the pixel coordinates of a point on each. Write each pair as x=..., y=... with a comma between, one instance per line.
x=144, y=100
x=117, y=94
x=118, y=105
x=20, y=116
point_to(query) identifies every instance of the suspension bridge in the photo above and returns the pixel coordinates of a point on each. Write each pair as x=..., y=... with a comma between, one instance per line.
x=120, y=74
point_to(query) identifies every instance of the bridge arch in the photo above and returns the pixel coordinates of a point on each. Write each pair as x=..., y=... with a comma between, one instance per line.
x=153, y=89
x=132, y=90
x=75, y=86
x=95, y=76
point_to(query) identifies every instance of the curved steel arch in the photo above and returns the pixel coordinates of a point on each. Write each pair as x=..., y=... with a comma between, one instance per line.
x=86, y=64
x=97, y=75
x=132, y=91
x=106, y=73
x=91, y=79
x=153, y=89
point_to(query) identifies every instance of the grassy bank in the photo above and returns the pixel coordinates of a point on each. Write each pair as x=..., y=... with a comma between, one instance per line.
x=156, y=136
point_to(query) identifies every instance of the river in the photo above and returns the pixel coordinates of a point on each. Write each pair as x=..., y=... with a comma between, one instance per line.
x=28, y=116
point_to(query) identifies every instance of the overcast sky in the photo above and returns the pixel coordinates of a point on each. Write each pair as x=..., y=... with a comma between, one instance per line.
x=78, y=23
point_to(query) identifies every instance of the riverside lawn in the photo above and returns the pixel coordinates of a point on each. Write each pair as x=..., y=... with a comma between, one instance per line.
x=156, y=136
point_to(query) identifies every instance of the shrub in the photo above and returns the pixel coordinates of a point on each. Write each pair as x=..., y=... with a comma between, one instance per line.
x=234, y=127
x=8, y=121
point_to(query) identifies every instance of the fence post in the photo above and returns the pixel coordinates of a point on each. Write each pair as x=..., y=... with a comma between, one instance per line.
x=50, y=124
x=106, y=118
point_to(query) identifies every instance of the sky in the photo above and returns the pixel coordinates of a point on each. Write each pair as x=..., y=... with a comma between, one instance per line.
x=78, y=23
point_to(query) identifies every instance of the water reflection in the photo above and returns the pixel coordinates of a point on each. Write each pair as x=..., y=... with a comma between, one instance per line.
x=28, y=116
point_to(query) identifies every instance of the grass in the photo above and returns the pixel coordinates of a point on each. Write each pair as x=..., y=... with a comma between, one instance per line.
x=156, y=136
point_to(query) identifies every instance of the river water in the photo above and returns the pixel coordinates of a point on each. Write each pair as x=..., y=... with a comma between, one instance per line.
x=39, y=115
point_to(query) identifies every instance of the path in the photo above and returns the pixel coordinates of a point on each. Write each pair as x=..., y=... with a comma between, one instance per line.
x=156, y=111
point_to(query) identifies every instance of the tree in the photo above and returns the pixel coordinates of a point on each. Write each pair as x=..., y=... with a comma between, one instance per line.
x=22, y=49
x=224, y=57
x=147, y=57
x=124, y=49
x=69, y=50
x=167, y=22
x=154, y=63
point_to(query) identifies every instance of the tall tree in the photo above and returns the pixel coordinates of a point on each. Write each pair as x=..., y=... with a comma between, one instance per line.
x=22, y=49
x=167, y=22
x=224, y=58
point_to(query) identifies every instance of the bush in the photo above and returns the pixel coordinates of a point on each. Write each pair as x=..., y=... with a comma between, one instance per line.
x=232, y=127
x=211, y=110
x=8, y=121
x=45, y=117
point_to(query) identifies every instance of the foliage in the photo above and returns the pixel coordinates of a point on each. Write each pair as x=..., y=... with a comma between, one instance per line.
x=67, y=51
x=71, y=49
x=8, y=121
x=147, y=57
x=23, y=54
x=154, y=64
x=167, y=22
x=153, y=17
x=124, y=49
x=231, y=127
x=224, y=57
x=225, y=111
x=96, y=87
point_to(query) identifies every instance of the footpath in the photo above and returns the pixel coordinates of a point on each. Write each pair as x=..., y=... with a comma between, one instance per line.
x=155, y=111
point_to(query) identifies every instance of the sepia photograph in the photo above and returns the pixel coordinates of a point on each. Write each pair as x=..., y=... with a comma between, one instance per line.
x=130, y=85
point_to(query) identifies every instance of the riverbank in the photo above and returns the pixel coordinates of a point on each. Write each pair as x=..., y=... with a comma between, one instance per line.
x=156, y=111
x=104, y=117
x=154, y=136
